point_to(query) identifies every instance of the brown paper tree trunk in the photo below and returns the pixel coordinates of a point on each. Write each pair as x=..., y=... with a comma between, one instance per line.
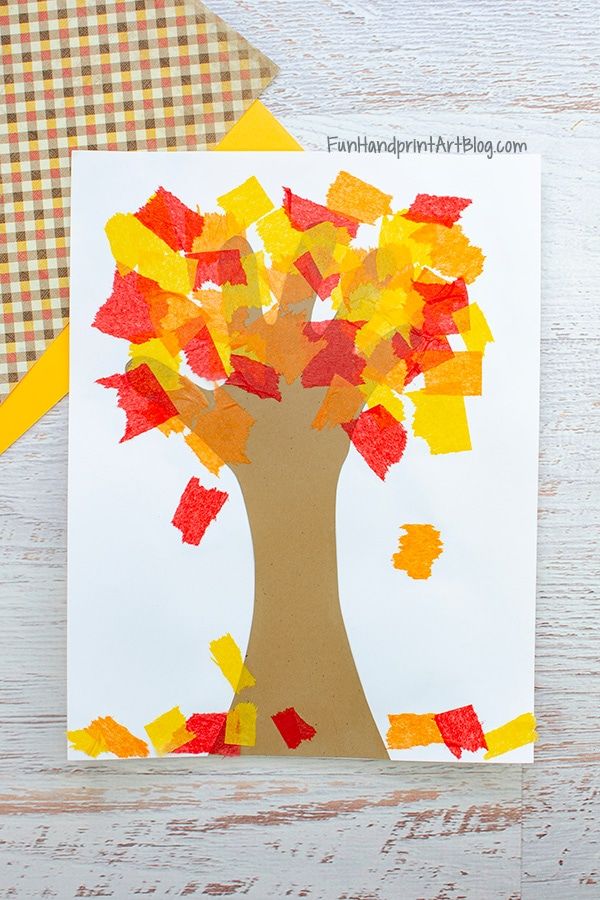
x=298, y=649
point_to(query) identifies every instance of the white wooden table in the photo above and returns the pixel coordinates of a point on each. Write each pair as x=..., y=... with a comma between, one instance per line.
x=347, y=829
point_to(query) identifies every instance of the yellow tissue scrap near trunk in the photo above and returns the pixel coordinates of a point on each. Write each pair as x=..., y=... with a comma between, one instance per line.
x=247, y=202
x=137, y=247
x=227, y=655
x=516, y=733
x=241, y=725
x=442, y=421
x=168, y=732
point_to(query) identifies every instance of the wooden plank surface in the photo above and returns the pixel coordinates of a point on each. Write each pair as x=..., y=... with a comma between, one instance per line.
x=352, y=830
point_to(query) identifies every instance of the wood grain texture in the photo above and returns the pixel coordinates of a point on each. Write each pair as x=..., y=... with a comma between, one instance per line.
x=348, y=56
x=345, y=829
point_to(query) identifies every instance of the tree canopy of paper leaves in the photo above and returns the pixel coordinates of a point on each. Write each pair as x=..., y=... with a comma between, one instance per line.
x=260, y=296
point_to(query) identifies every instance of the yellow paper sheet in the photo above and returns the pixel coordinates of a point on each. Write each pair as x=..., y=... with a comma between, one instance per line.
x=47, y=381
x=45, y=384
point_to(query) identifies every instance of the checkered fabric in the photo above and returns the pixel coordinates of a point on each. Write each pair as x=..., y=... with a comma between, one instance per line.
x=132, y=75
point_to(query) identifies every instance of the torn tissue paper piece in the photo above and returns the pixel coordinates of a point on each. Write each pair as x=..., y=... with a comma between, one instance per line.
x=169, y=731
x=126, y=312
x=338, y=355
x=241, y=725
x=444, y=210
x=292, y=727
x=140, y=395
x=418, y=548
x=341, y=404
x=461, y=730
x=441, y=421
x=516, y=733
x=473, y=328
x=202, y=356
x=357, y=199
x=254, y=377
x=209, y=735
x=309, y=270
x=218, y=267
x=304, y=214
x=171, y=220
x=197, y=508
x=378, y=437
x=228, y=657
x=247, y=202
x=134, y=246
x=460, y=375
x=412, y=730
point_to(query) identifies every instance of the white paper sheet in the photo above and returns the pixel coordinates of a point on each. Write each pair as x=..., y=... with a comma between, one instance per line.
x=143, y=606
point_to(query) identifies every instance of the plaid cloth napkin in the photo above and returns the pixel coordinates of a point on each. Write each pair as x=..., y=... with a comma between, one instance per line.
x=131, y=75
